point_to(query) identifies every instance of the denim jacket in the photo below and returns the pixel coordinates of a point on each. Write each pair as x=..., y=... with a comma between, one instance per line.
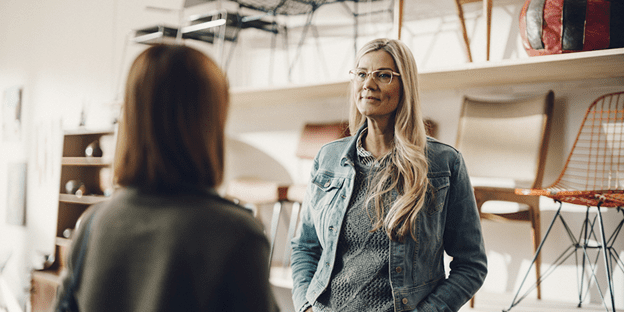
x=449, y=222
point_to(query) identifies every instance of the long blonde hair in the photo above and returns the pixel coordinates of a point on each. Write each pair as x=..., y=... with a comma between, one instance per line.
x=407, y=167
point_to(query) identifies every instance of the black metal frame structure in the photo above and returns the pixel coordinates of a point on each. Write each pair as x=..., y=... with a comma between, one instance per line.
x=586, y=240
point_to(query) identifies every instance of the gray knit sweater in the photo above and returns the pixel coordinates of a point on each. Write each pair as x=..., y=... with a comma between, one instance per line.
x=360, y=278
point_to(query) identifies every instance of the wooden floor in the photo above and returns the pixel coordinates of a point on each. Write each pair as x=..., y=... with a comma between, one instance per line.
x=485, y=303
x=498, y=302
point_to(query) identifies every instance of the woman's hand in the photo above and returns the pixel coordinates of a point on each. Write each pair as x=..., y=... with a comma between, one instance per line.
x=308, y=309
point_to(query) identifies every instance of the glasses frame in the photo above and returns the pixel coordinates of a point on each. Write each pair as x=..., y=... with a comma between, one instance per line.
x=352, y=74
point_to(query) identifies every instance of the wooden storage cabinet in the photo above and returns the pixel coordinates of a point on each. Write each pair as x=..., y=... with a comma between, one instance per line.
x=95, y=173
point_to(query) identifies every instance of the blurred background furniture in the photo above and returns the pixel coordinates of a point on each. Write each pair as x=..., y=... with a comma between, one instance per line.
x=257, y=193
x=284, y=7
x=487, y=11
x=213, y=27
x=593, y=176
x=504, y=145
x=95, y=175
x=387, y=8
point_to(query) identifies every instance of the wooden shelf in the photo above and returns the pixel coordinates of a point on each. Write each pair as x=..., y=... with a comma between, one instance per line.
x=87, y=131
x=49, y=275
x=62, y=241
x=93, y=173
x=84, y=200
x=86, y=161
x=250, y=97
x=539, y=69
x=548, y=68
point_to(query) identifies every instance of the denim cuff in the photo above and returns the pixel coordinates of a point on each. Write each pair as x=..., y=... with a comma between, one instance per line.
x=305, y=307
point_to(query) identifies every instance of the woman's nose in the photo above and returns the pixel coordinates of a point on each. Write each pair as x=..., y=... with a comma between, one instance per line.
x=369, y=82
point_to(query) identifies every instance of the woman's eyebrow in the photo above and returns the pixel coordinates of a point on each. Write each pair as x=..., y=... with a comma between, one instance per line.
x=381, y=68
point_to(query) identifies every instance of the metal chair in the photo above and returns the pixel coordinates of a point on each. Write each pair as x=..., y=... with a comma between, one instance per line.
x=593, y=176
x=504, y=145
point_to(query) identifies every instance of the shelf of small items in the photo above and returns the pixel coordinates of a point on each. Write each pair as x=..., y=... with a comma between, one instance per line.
x=86, y=179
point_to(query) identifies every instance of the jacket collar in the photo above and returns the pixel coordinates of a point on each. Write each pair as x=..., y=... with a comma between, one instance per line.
x=350, y=153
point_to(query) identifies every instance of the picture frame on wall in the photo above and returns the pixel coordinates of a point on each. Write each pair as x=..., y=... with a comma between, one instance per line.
x=16, y=193
x=12, y=114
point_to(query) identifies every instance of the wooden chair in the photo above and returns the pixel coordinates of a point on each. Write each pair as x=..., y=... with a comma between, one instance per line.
x=487, y=11
x=504, y=145
x=593, y=176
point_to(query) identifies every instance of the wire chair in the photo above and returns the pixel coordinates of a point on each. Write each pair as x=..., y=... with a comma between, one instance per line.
x=593, y=176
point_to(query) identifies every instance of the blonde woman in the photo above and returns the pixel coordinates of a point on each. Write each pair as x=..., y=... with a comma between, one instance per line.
x=383, y=206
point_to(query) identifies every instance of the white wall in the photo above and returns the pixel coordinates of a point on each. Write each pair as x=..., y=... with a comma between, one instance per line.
x=73, y=55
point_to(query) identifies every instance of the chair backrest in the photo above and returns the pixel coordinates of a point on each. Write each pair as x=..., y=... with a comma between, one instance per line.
x=315, y=135
x=506, y=139
x=596, y=159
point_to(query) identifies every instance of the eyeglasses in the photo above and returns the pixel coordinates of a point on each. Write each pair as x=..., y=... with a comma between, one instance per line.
x=382, y=76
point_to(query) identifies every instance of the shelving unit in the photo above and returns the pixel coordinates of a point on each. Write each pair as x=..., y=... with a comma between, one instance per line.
x=539, y=69
x=74, y=166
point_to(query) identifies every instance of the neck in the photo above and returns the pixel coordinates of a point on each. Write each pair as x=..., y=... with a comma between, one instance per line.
x=379, y=139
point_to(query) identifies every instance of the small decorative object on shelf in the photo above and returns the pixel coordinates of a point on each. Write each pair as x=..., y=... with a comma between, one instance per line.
x=106, y=181
x=94, y=149
x=75, y=187
x=562, y=26
x=67, y=233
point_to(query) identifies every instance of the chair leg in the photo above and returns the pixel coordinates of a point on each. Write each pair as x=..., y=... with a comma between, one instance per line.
x=460, y=14
x=606, y=258
x=487, y=11
x=537, y=238
x=277, y=210
x=516, y=300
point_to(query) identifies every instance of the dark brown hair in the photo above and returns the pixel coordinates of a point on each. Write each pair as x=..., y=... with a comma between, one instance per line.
x=171, y=131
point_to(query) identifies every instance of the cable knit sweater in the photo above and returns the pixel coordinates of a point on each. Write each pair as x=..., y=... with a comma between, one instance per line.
x=360, y=280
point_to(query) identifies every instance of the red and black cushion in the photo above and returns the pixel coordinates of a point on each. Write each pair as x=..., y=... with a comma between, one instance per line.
x=561, y=26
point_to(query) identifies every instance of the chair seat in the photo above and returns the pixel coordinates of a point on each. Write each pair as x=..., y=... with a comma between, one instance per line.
x=500, y=206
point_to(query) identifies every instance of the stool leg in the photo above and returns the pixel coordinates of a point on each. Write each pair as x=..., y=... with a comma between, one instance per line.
x=277, y=209
x=292, y=226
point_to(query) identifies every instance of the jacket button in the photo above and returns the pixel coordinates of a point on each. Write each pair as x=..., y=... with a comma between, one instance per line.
x=327, y=263
x=398, y=269
x=404, y=300
x=331, y=228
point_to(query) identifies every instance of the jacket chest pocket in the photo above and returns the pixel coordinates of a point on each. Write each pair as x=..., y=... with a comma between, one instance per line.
x=436, y=194
x=325, y=189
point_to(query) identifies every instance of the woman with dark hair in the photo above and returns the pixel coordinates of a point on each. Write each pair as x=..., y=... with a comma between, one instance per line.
x=166, y=241
x=383, y=206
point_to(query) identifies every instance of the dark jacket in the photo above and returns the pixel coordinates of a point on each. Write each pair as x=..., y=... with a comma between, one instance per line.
x=188, y=252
